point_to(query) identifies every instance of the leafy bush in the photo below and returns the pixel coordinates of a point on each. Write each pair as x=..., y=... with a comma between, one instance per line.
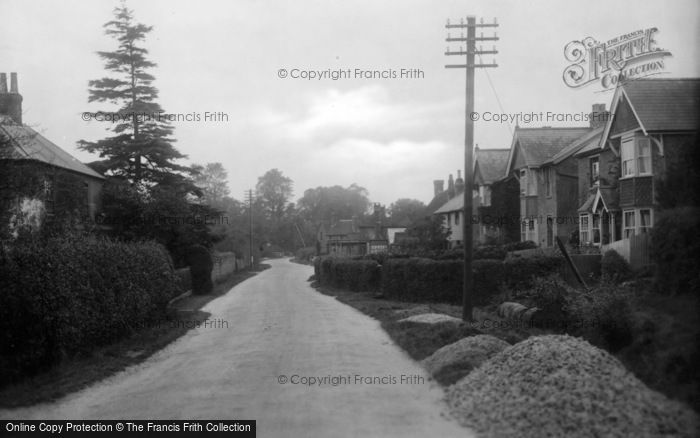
x=305, y=254
x=614, y=268
x=519, y=246
x=603, y=317
x=676, y=250
x=351, y=274
x=201, y=264
x=520, y=272
x=69, y=294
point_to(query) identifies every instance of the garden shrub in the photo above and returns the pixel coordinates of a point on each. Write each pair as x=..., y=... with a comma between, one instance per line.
x=603, y=316
x=676, y=250
x=70, y=294
x=614, y=268
x=305, y=254
x=519, y=246
x=201, y=265
x=520, y=272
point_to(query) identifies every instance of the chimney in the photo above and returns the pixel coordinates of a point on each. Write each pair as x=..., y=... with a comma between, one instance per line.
x=598, y=116
x=450, y=186
x=459, y=183
x=438, y=186
x=10, y=103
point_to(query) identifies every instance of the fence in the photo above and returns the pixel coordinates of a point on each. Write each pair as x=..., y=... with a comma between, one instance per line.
x=224, y=264
x=636, y=250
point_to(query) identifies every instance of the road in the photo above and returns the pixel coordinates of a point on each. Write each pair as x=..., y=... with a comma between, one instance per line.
x=269, y=326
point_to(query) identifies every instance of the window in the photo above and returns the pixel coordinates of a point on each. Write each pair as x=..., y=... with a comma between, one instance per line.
x=457, y=218
x=449, y=220
x=523, y=231
x=594, y=169
x=548, y=181
x=523, y=182
x=644, y=220
x=596, y=228
x=487, y=196
x=643, y=156
x=628, y=223
x=627, y=156
x=584, y=230
x=636, y=157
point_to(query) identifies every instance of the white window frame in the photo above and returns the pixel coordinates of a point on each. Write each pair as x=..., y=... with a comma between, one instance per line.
x=631, y=157
x=639, y=157
x=523, y=182
x=646, y=228
x=456, y=218
x=594, y=162
x=627, y=229
x=584, y=228
x=595, y=238
x=627, y=147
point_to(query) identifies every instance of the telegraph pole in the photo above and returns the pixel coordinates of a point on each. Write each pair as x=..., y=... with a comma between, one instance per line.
x=470, y=52
x=249, y=198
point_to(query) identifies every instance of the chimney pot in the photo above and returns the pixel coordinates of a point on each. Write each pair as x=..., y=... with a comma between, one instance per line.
x=3, y=83
x=438, y=186
x=13, y=83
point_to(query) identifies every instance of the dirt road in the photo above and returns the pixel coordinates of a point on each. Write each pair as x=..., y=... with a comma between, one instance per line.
x=266, y=342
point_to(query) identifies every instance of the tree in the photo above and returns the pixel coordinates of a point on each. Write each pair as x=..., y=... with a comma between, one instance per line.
x=324, y=204
x=430, y=233
x=141, y=149
x=407, y=211
x=213, y=180
x=273, y=192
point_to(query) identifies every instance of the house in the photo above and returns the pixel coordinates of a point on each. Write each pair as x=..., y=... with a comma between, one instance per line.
x=542, y=159
x=452, y=211
x=497, y=199
x=354, y=237
x=40, y=183
x=653, y=121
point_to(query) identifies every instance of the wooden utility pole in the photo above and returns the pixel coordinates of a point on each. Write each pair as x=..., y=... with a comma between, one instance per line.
x=249, y=198
x=471, y=116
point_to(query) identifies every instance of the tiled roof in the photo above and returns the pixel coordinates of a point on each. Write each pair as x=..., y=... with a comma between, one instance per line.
x=665, y=104
x=540, y=144
x=491, y=163
x=455, y=204
x=343, y=226
x=589, y=140
x=27, y=144
x=437, y=202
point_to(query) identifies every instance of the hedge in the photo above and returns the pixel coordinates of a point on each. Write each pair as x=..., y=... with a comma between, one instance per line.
x=346, y=273
x=71, y=294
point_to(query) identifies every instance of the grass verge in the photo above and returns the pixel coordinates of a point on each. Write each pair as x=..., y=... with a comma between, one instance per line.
x=76, y=373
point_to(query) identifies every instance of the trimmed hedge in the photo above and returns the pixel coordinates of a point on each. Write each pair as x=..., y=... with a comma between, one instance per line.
x=614, y=268
x=439, y=280
x=346, y=273
x=427, y=280
x=71, y=294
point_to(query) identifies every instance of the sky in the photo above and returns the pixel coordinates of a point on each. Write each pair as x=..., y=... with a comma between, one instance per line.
x=391, y=135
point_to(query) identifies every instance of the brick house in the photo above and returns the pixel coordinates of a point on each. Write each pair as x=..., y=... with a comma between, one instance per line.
x=653, y=121
x=542, y=159
x=40, y=183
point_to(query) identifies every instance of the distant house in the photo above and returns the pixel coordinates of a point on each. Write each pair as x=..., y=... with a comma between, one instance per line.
x=543, y=162
x=497, y=197
x=354, y=237
x=653, y=121
x=452, y=210
x=40, y=183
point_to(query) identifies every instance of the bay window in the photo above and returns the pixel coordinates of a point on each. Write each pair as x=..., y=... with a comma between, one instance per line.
x=584, y=230
x=644, y=220
x=635, y=154
x=596, y=228
x=628, y=223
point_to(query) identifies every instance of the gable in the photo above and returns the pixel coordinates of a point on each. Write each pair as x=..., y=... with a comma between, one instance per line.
x=518, y=159
x=624, y=119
